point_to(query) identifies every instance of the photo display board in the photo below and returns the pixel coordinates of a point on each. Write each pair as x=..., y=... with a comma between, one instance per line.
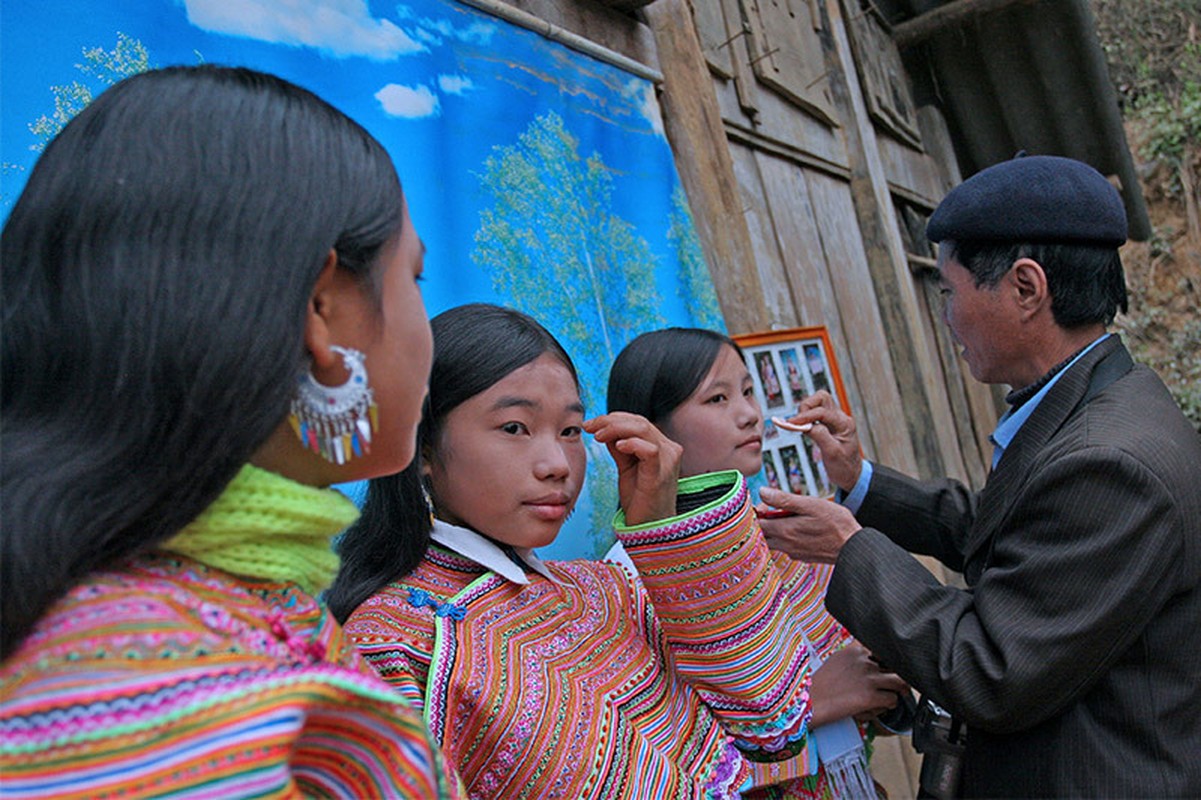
x=786, y=367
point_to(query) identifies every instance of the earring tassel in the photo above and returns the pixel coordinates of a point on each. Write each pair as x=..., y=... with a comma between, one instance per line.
x=336, y=422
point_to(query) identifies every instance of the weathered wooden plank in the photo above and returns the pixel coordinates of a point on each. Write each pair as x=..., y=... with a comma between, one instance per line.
x=715, y=34
x=974, y=463
x=805, y=269
x=625, y=5
x=692, y=121
x=786, y=150
x=936, y=139
x=870, y=355
x=909, y=170
x=778, y=121
x=982, y=400
x=766, y=262
x=802, y=261
x=768, y=114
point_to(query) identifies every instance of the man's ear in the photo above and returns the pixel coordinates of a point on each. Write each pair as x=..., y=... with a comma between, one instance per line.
x=1030, y=285
x=318, y=332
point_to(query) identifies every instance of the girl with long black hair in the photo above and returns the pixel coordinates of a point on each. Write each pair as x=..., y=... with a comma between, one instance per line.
x=209, y=313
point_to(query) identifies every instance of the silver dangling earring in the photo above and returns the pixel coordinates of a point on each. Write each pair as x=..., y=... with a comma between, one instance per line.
x=429, y=501
x=337, y=422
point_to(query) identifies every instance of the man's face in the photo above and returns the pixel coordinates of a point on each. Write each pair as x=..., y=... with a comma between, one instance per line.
x=981, y=320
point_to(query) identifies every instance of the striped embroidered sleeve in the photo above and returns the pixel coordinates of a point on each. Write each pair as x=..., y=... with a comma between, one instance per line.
x=395, y=664
x=384, y=737
x=238, y=730
x=726, y=614
x=396, y=641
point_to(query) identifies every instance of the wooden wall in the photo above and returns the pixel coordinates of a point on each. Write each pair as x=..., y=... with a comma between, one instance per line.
x=835, y=170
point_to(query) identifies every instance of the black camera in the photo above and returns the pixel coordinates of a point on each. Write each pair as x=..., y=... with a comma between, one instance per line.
x=941, y=739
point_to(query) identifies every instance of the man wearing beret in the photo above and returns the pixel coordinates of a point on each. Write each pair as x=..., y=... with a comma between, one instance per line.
x=1072, y=658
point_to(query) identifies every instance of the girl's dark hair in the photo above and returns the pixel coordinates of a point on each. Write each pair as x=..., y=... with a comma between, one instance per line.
x=475, y=346
x=658, y=371
x=156, y=272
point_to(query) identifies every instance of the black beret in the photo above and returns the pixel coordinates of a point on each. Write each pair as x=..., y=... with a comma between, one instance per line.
x=1047, y=199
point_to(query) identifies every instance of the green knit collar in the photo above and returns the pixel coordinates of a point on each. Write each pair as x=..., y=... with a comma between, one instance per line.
x=267, y=527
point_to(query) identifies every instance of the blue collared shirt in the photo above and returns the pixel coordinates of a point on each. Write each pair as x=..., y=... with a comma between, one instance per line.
x=1012, y=421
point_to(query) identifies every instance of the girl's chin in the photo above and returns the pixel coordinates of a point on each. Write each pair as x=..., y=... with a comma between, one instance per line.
x=748, y=463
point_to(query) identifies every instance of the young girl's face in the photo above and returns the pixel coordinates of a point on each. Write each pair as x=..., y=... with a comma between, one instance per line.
x=509, y=462
x=719, y=425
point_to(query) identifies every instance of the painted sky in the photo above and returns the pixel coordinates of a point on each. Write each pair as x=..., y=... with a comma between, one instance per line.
x=439, y=83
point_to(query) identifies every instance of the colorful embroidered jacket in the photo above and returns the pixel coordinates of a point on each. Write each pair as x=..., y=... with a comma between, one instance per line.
x=805, y=585
x=168, y=677
x=579, y=680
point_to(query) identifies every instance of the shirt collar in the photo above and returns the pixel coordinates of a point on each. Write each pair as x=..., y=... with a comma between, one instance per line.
x=488, y=554
x=1013, y=419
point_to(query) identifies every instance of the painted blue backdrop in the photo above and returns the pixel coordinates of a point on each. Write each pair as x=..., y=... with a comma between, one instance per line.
x=538, y=177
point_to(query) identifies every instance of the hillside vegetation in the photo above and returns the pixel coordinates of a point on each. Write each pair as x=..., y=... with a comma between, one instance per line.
x=1153, y=48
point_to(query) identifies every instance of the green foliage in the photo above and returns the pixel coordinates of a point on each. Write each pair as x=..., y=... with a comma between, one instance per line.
x=1171, y=125
x=129, y=57
x=1150, y=45
x=696, y=284
x=1154, y=59
x=553, y=247
x=1153, y=50
x=104, y=67
x=1173, y=352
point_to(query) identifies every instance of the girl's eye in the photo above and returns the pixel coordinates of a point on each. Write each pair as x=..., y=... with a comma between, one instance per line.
x=748, y=391
x=514, y=428
x=572, y=431
x=717, y=398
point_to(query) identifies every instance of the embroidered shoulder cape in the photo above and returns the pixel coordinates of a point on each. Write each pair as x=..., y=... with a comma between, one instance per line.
x=164, y=676
x=596, y=684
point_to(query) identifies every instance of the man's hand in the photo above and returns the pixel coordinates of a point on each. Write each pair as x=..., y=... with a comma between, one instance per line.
x=815, y=532
x=834, y=433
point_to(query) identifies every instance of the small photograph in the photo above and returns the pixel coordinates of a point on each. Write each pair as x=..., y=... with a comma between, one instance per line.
x=770, y=471
x=792, y=470
x=818, y=469
x=817, y=367
x=792, y=374
x=769, y=380
x=770, y=431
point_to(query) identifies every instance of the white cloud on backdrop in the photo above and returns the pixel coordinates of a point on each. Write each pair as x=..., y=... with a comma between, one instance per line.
x=409, y=102
x=342, y=28
x=433, y=31
x=455, y=84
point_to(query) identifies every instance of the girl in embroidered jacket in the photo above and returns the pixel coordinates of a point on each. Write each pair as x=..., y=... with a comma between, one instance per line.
x=187, y=248
x=694, y=386
x=570, y=679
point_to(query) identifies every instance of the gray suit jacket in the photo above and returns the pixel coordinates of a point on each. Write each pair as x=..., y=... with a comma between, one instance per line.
x=1074, y=655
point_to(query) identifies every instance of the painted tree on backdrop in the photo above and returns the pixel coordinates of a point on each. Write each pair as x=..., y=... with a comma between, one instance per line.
x=106, y=67
x=556, y=250
x=696, y=284
x=103, y=68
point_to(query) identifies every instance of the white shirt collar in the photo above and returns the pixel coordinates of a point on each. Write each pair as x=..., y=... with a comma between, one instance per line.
x=487, y=553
